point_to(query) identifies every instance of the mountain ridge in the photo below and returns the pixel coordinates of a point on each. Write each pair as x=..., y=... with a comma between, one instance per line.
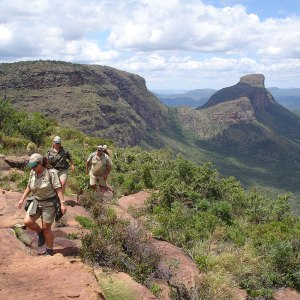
x=98, y=100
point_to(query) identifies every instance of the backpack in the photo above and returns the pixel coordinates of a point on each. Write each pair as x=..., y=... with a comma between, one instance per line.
x=99, y=167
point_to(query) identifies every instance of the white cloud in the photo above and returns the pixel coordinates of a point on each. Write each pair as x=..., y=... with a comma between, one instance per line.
x=181, y=40
x=5, y=36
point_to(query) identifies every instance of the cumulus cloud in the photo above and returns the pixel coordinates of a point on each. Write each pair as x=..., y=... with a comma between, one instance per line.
x=150, y=37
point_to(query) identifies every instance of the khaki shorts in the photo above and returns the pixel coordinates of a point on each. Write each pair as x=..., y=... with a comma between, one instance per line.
x=46, y=209
x=63, y=174
x=97, y=180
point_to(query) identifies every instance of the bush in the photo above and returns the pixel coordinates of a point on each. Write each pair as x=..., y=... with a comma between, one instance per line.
x=85, y=222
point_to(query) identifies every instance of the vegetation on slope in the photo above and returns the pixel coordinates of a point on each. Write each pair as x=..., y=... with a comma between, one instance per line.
x=238, y=238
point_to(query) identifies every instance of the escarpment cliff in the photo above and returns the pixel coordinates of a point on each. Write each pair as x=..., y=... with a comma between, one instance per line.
x=97, y=100
x=266, y=110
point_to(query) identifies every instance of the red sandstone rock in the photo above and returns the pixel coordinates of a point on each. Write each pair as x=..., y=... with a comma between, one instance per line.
x=24, y=276
x=286, y=294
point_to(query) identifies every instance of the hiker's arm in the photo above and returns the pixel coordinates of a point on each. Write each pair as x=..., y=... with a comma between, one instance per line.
x=24, y=196
x=107, y=171
x=72, y=164
x=70, y=159
x=60, y=195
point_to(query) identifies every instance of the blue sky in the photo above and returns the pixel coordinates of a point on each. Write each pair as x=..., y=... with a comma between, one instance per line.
x=173, y=44
x=264, y=8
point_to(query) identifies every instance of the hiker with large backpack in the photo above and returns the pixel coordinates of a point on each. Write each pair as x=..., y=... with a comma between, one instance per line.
x=47, y=198
x=60, y=159
x=98, y=166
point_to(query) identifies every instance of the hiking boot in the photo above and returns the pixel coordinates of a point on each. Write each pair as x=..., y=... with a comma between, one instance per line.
x=41, y=240
x=49, y=252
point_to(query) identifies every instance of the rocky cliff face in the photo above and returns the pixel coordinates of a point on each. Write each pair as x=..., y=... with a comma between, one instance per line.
x=250, y=86
x=266, y=110
x=97, y=100
x=245, y=122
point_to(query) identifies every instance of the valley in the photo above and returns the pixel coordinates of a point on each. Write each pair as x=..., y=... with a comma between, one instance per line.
x=242, y=130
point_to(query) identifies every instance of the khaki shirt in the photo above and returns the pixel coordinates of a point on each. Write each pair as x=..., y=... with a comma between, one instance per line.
x=43, y=187
x=59, y=160
x=97, y=162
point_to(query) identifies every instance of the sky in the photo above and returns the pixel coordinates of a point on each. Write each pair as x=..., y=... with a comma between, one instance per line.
x=173, y=44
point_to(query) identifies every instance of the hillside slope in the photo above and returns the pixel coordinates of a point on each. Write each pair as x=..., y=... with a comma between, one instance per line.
x=97, y=100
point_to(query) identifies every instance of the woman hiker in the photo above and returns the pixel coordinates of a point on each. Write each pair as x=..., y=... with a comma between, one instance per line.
x=45, y=186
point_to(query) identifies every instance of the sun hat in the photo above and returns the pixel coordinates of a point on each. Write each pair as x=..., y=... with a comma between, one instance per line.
x=100, y=148
x=34, y=160
x=57, y=140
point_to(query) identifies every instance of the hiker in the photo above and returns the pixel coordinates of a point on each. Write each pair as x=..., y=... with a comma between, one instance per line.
x=45, y=186
x=98, y=166
x=60, y=159
x=105, y=150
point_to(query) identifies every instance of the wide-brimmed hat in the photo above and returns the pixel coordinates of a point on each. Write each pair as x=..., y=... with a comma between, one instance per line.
x=100, y=148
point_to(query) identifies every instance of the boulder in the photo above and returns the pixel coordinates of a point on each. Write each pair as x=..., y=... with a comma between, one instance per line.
x=3, y=164
x=286, y=294
x=24, y=276
x=18, y=162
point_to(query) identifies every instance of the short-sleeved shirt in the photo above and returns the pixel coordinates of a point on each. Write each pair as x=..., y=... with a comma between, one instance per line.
x=94, y=161
x=43, y=187
x=58, y=160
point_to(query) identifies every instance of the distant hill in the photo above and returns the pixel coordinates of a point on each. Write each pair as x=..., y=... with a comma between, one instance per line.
x=192, y=98
x=289, y=98
x=297, y=112
x=245, y=122
x=97, y=100
x=266, y=110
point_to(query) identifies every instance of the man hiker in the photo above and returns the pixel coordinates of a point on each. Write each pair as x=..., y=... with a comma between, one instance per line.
x=98, y=166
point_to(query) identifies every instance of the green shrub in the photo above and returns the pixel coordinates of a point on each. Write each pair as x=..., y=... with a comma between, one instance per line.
x=85, y=222
x=34, y=127
x=72, y=236
x=155, y=289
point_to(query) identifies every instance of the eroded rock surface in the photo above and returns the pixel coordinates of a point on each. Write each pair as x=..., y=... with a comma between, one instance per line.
x=25, y=274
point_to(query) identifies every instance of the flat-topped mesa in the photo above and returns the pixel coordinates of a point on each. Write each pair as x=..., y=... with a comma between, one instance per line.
x=255, y=80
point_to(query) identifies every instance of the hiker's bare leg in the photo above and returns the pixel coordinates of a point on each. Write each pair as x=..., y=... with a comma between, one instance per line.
x=63, y=181
x=49, y=237
x=94, y=187
x=29, y=222
x=102, y=188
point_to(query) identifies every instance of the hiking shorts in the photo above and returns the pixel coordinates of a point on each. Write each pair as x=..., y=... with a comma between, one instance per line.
x=45, y=209
x=63, y=174
x=97, y=180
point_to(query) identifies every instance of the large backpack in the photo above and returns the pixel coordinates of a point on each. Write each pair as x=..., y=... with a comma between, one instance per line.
x=98, y=169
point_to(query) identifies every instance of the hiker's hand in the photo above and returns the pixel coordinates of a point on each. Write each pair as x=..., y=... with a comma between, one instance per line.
x=20, y=203
x=63, y=208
